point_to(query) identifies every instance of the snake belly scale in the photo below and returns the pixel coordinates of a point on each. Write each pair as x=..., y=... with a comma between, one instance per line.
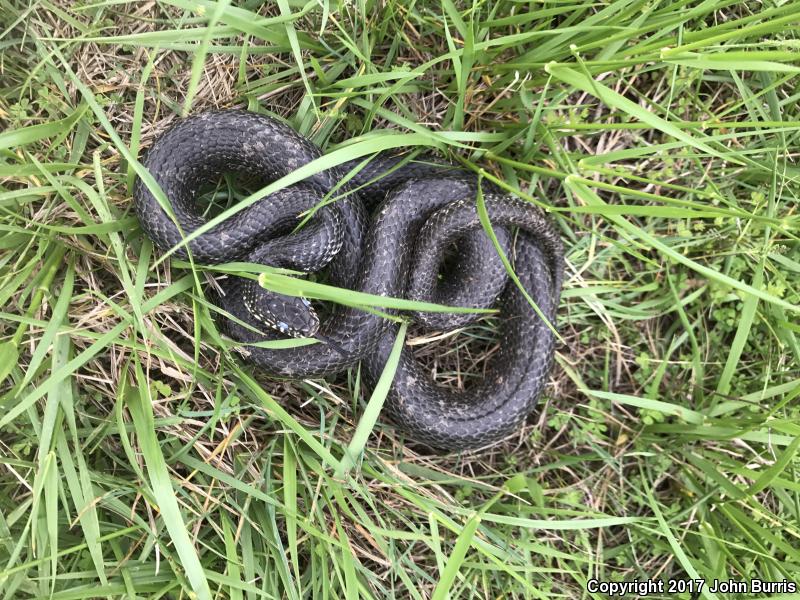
x=387, y=232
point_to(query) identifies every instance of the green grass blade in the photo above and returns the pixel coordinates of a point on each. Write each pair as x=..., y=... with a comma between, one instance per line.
x=769, y=475
x=616, y=100
x=456, y=558
x=293, y=286
x=164, y=493
x=34, y=133
x=589, y=196
x=367, y=422
x=199, y=60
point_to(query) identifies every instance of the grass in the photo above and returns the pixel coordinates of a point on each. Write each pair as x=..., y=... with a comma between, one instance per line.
x=139, y=457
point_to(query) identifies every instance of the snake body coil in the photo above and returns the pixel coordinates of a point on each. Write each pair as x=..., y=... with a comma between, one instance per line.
x=387, y=233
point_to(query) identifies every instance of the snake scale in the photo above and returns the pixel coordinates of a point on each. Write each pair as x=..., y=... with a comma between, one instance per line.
x=390, y=232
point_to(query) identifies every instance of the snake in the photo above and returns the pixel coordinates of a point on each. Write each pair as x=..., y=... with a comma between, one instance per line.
x=387, y=224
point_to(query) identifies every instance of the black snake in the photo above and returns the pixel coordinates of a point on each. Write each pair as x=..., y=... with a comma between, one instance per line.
x=387, y=233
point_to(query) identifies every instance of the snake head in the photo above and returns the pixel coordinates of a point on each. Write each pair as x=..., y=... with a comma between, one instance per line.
x=289, y=315
x=296, y=318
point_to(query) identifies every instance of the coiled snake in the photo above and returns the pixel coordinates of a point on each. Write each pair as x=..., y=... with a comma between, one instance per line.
x=387, y=233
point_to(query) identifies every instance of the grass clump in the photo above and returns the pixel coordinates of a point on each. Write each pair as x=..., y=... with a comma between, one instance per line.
x=139, y=458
